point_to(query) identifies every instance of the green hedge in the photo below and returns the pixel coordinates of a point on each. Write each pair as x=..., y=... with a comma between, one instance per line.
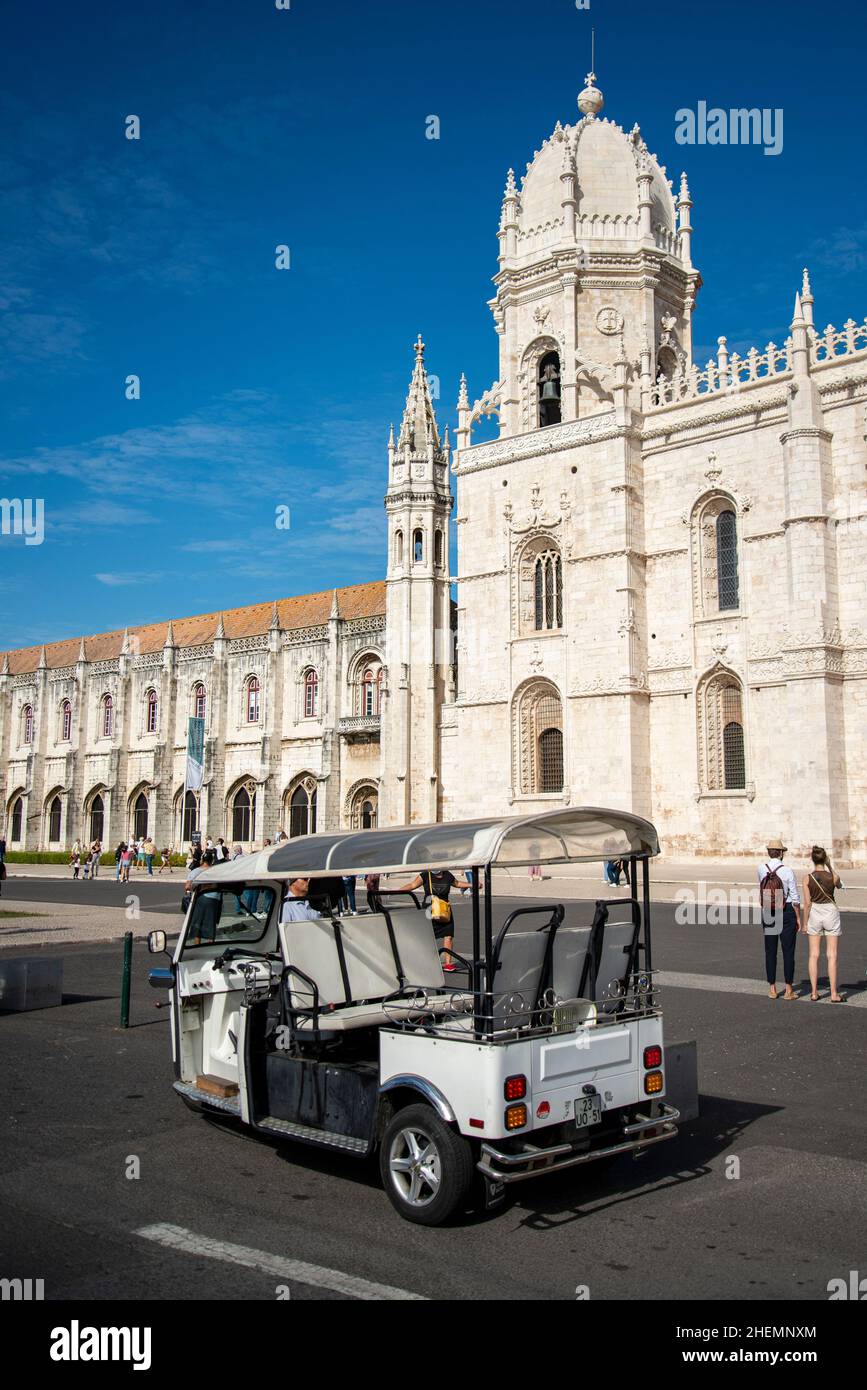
x=25, y=856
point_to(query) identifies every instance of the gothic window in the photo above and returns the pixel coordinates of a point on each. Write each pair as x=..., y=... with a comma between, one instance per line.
x=106, y=722
x=721, y=734
x=243, y=806
x=364, y=808
x=200, y=701
x=715, y=557
x=539, y=739
x=190, y=818
x=251, y=705
x=64, y=729
x=151, y=707
x=417, y=547
x=547, y=591
x=311, y=694
x=97, y=818
x=302, y=809
x=140, y=817
x=16, y=820
x=368, y=687
x=438, y=550
x=55, y=809
x=548, y=382
x=398, y=547
x=27, y=724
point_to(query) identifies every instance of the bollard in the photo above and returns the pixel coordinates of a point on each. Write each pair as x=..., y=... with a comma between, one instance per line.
x=125, y=983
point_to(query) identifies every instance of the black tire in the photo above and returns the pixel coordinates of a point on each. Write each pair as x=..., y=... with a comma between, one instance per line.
x=429, y=1195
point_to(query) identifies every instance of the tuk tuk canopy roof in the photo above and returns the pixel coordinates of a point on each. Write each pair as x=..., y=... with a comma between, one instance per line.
x=571, y=836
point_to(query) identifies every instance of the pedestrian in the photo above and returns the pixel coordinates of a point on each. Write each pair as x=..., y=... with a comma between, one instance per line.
x=222, y=850
x=281, y=835
x=821, y=917
x=371, y=884
x=349, y=894
x=165, y=860
x=140, y=852
x=117, y=856
x=76, y=848
x=95, y=853
x=126, y=858
x=2, y=849
x=535, y=868
x=150, y=850
x=437, y=885
x=2, y=868
x=237, y=851
x=75, y=861
x=781, y=915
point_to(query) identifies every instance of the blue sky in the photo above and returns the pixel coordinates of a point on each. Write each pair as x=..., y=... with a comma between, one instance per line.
x=306, y=127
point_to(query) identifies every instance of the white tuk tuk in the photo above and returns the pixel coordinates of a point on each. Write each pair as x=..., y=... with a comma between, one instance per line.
x=342, y=1031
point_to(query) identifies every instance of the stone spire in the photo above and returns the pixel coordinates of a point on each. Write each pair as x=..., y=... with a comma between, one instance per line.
x=170, y=636
x=43, y=664
x=419, y=425
x=5, y=669
x=807, y=298
x=275, y=617
x=335, y=606
x=684, y=208
x=82, y=653
x=124, y=644
x=220, y=630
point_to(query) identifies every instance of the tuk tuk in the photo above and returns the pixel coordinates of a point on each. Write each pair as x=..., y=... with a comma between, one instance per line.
x=342, y=1031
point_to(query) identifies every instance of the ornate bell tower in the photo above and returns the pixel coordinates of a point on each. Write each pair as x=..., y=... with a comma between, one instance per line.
x=418, y=505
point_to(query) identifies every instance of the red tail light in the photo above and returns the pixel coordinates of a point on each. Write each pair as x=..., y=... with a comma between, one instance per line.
x=652, y=1057
x=515, y=1087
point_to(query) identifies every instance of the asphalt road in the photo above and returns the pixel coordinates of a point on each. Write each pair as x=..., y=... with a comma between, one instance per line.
x=782, y=1091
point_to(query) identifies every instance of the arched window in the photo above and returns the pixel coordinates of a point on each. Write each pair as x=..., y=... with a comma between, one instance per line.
x=140, y=816
x=727, y=560
x=200, y=701
x=27, y=724
x=716, y=581
x=106, y=722
x=539, y=739
x=302, y=809
x=65, y=723
x=251, y=702
x=16, y=820
x=190, y=820
x=244, y=813
x=55, y=811
x=364, y=808
x=311, y=694
x=549, y=389
x=151, y=709
x=398, y=547
x=722, y=749
x=97, y=818
x=417, y=547
x=547, y=591
x=438, y=549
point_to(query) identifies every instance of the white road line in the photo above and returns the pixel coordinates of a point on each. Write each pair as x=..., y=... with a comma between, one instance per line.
x=177, y=1238
x=734, y=984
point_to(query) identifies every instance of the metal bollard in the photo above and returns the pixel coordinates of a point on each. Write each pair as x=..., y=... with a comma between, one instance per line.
x=125, y=983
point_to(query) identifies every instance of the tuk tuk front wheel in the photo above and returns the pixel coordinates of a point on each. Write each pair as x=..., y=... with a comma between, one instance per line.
x=427, y=1169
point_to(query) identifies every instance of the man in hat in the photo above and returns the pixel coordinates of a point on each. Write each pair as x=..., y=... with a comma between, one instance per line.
x=781, y=915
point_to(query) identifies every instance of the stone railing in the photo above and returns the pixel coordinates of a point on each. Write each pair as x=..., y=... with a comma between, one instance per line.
x=729, y=372
x=359, y=724
x=852, y=337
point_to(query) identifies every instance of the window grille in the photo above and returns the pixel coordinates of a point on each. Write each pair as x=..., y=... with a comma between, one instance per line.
x=551, y=760
x=727, y=561
x=548, y=591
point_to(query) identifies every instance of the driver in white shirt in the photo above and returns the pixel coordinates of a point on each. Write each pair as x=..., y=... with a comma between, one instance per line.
x=296, y=908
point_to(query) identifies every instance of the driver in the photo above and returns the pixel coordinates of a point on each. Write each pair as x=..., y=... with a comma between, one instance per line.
x=296, y=908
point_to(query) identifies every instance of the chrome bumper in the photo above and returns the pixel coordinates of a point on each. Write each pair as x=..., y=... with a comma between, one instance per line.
x=531, y=1161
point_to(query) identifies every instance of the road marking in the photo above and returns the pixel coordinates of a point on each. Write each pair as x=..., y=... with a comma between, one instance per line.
x=734, y=984
x=177, y=1238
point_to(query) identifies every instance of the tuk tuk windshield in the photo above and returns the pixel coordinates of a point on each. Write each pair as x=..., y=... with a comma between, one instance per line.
x=229, y=915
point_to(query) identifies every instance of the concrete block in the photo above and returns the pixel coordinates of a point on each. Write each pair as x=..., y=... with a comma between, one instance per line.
x=31, y=982
x=681, y=1078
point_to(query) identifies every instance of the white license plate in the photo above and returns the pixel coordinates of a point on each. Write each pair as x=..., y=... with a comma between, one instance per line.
x=588, y=1111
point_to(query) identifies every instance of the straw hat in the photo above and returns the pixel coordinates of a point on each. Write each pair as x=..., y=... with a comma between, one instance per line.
x=776, y=842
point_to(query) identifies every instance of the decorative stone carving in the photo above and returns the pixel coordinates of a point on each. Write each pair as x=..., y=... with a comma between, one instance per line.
x=609, y=320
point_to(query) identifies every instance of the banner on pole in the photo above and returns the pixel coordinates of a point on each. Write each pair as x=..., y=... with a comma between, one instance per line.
x=195, y=755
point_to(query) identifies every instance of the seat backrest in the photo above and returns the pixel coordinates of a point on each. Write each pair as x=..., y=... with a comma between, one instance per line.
x=518, y=972
x=369, y=957
x=312, y=946
x=567, y=960
x=417, y=948
x=614, y=960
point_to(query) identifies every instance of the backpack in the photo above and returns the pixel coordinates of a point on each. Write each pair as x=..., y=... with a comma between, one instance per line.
x=772, y=894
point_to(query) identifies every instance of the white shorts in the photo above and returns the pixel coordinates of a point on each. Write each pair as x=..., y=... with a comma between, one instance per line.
x=824, y=920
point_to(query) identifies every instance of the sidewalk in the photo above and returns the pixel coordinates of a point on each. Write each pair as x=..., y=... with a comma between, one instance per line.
x=38, y=924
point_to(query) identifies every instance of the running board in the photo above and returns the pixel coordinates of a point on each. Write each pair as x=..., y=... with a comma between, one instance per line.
x=230, y=1105
x=287, y=1129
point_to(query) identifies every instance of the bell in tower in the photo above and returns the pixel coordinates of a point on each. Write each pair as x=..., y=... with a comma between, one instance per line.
x=549, y=390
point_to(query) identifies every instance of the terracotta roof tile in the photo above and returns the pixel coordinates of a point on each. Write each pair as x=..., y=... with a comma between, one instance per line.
x=302, y=610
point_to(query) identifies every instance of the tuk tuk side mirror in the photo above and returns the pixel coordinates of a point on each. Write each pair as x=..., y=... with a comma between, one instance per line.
x=156, y=942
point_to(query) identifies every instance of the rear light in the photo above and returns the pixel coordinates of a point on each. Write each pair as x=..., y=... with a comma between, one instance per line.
x=543, y=1110
x=653, y=1083
x=515, y=1088
x=516, y=1116
x=652, y=1057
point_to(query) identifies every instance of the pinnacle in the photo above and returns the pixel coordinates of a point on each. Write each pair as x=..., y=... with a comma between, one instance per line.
x=419, y=425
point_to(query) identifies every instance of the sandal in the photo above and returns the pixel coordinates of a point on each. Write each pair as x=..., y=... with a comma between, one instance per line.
x=814, y=998
x=841, y=999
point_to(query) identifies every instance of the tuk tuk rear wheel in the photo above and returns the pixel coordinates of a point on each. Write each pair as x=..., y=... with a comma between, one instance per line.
x=426, y=1167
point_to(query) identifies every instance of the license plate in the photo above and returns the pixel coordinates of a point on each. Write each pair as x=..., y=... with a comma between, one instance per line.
x=588, y=1111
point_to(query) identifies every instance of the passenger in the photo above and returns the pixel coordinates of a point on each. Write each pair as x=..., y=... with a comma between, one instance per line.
x=295, y=907
x=437, y=885
x=778, y=889
x=822, y=918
